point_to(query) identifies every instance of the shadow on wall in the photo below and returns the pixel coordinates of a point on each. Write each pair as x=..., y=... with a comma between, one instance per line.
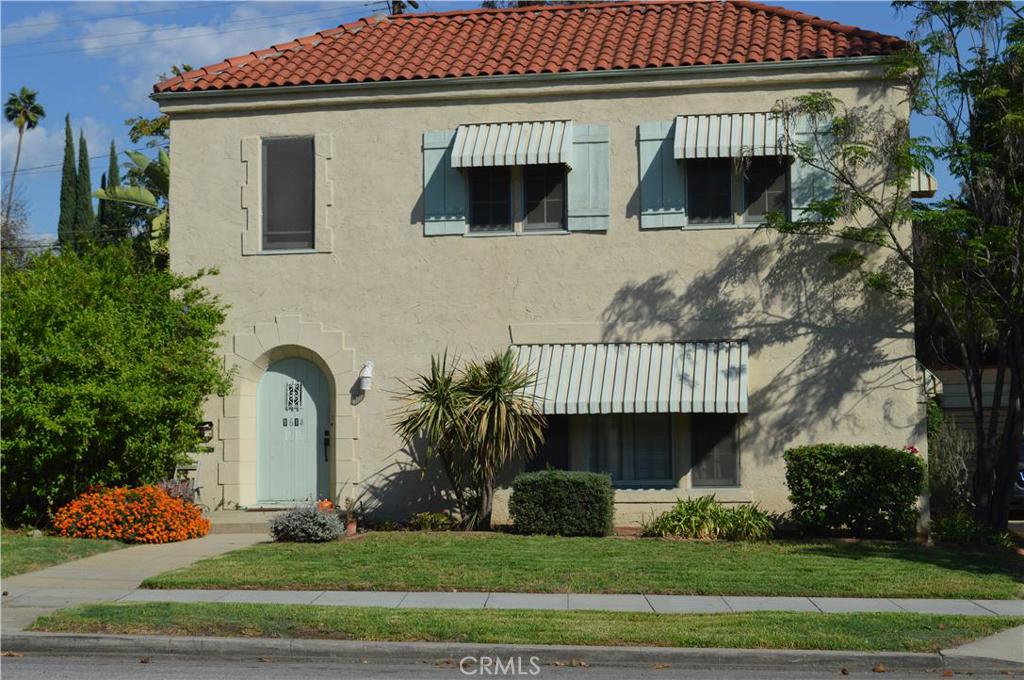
x=408, y=484
x=777, y=291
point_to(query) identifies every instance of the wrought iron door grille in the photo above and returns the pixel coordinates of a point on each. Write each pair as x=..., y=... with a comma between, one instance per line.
x=293, y=396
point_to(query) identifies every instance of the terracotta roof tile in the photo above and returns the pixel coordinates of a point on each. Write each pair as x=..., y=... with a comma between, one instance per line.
x=545, y=39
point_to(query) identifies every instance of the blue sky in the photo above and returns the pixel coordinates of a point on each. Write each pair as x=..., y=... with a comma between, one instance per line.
x=99, y=60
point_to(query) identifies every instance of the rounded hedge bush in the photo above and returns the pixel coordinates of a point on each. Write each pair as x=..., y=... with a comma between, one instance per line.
x=562, y=503
x=870, y=491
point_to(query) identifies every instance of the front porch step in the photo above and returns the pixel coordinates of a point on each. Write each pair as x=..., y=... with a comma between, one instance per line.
x=241, y=521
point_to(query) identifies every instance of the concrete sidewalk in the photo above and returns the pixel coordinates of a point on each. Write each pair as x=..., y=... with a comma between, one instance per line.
x=107, y=576
x=659, y=604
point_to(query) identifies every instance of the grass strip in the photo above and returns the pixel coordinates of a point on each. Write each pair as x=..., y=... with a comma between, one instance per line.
x=21, y=554
x=498, y=562
x=762, y=630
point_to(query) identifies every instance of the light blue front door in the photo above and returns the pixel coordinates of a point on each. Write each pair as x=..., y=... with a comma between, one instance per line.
x=293, y=423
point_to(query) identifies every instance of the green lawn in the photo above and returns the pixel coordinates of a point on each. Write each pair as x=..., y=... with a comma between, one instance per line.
x=20, y=554
x=505, y=562
x=768, y=630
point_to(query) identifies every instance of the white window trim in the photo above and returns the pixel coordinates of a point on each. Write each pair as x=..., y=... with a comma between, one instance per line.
x=252, y=196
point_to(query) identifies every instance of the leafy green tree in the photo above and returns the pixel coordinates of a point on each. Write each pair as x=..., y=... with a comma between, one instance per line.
x=966, y=260
x=85, y=219
x=23, y=111
x=68, y=192
x=106, y=362
x=150, y=194
x=473, y=420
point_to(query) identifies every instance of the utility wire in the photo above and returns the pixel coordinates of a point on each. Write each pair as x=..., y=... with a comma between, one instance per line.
x=118, y=16
x=213, y=32
x=59, y=166
x=101, y=36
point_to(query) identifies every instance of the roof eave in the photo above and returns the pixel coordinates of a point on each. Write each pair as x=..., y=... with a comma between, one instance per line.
x=444, y=83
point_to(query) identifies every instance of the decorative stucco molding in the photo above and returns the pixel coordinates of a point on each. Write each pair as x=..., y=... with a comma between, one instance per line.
x=251, y=353
x=252, y=194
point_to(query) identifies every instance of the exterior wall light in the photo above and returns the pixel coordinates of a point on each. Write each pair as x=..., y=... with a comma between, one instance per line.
x=366, y=377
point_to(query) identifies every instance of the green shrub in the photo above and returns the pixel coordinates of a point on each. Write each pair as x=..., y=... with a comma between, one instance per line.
x=562, y=503
x=432, y=521
x=707, y=519
x=960, y=528
x=106, y=363
x=867, y=490
x=950, y=449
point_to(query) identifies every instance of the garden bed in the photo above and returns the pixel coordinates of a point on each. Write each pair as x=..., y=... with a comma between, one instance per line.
x=764, y=630
x=495, y=562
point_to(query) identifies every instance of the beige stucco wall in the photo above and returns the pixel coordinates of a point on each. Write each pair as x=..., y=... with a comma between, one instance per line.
x=824, y=365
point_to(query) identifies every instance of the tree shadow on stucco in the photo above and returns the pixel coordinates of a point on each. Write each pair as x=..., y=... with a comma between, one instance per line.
x=416, y=482
x=774, y=291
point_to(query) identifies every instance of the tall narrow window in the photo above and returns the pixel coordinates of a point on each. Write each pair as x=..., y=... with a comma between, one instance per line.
x=714, y=450
x=765, y=188
x=288, y=187
x=490, y=199
x=544, y=197
x=709, y=190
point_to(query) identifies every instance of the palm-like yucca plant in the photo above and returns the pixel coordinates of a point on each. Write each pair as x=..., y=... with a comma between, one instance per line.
x=157, y=175
x=473, y=421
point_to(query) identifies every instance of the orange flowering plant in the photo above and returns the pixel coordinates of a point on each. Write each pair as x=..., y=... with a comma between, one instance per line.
x=145, y=514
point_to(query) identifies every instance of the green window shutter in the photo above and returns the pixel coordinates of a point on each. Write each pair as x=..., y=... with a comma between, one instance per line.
x=806, y=183
x=662, y=185
x=589, y=193
x=444, y=187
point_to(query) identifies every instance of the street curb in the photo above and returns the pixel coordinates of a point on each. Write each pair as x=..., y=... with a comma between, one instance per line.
x=453, y=652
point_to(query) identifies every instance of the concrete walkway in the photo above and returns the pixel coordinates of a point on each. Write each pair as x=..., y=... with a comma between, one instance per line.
x=107, y=576
x=1007, y=645
x=660, y=604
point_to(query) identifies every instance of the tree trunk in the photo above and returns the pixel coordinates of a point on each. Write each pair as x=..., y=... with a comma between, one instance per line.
x=14, y=173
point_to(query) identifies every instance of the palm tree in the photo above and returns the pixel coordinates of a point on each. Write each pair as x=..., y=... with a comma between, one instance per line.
x=157, y=176
x=473, y=421
x=24, y=111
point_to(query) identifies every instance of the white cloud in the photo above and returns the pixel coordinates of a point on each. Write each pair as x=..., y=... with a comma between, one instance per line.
x=161, y=45
x=44, y=146
x=31, y=27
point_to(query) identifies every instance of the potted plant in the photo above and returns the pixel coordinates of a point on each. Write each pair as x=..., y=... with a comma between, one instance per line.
x=350, y=517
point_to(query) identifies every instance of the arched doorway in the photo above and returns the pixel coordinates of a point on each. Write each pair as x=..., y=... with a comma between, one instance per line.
x=293, y=432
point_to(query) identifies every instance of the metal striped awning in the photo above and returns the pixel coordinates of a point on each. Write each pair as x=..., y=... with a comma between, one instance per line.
x=659, y=377
x=493, y=144
x=730, y=135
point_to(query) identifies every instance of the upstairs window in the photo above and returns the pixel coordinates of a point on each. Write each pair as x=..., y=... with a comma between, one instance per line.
x=504, y=199
x=709, y=189
x=490, y=199
x=544, y=197
x=765, y=187
x=288, y=193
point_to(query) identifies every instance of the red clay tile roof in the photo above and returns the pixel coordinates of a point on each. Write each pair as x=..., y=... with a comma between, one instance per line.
x=546, y=39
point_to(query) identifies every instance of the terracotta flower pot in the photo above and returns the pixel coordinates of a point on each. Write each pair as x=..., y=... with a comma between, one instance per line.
x=350, y=527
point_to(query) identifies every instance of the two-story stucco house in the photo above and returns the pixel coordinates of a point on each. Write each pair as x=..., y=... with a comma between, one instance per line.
x=562, y=180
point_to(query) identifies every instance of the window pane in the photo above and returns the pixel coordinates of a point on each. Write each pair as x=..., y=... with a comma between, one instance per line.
x=544, y=196
x=765, y=187
x=715, y=454
x=289, y=181
x=709, y=190
x=489, y=199
x=631, y=447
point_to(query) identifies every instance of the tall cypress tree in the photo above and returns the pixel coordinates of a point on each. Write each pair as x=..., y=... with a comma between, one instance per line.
x=68, y=191
x=115, y=219
x=85, y=220
x=101, y=208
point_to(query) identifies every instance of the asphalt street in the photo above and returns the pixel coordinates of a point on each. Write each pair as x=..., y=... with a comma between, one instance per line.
x=167, y=667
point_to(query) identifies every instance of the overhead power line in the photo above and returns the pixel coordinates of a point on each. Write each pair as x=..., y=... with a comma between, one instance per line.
x=212, y=31
x=56, y=167
x=61, y=22
x=102, y=36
